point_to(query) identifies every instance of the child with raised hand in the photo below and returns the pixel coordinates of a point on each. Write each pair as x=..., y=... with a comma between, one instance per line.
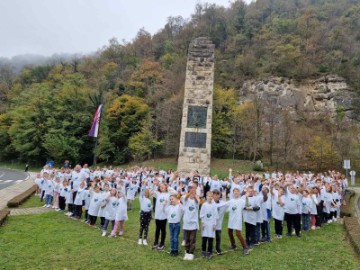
x=190, y=222
x=57, y=189
x=313, y=207
x=252, y=206
x=306, y=208
x=101, y=214
x=162, y=200
x=235, y=208
x=208, y=216
x=78, y=202
x=121, y=215
x=62, y=195
x=174, y=214
x=94, y=205
x=292, y=211
x=278, y=209
x=221, y=209
x=145, y=213
x=130, y=192
x=110, y=210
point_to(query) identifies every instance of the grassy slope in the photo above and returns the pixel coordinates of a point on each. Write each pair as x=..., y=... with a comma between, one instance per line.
x=55, y=241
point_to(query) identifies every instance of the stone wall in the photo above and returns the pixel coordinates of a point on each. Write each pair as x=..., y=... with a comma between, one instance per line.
x=195, y=149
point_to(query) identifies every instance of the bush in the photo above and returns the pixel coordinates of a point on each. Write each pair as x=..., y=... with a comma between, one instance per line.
x=19, y=199
x=3, y=216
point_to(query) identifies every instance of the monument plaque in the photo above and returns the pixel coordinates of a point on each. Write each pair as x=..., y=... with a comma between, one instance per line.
x=195, y=138
x=197, y=117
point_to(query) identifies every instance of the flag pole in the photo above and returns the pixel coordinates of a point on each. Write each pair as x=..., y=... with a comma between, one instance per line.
x=95, y=146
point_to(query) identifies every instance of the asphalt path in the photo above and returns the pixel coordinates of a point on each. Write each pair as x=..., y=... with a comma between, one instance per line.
x=10, y=177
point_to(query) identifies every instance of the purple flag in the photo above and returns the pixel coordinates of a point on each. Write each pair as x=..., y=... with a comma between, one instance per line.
x=96, y=122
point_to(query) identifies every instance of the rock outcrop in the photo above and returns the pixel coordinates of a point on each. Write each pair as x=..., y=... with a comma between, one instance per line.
x=327, y=94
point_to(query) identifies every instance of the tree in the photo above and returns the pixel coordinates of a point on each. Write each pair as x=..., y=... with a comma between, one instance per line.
x=125, y=117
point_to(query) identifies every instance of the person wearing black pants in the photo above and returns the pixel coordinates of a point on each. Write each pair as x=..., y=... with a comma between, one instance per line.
x=293, y=221
x=145, y=219
x=160, y=227
x=278, y=227
x=250, y=231
x=293, y=211
x=62, y=203
x=209, y=241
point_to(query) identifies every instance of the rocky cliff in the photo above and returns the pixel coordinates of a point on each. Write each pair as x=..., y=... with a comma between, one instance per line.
x=326, y=94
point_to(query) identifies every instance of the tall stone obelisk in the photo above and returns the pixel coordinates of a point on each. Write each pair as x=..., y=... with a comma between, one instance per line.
x=195, y=139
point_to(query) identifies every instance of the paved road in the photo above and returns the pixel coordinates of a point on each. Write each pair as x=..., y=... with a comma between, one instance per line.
x=10, y=177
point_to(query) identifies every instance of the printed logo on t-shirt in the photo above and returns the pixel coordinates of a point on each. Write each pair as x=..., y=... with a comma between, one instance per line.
x=191, y=208
x=173, y=215
x=292, y=199
x=149, y=205
x=114, y=203
x=95, y=200
x=88, y=195
x=162, y=200
x=234, y=208
x=208, y=215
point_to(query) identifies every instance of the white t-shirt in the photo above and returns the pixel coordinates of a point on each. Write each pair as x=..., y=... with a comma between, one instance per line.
x=208, y=216
x=191, y=215
x=235, y=208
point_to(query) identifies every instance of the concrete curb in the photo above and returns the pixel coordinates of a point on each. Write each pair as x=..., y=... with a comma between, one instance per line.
x=12, y=191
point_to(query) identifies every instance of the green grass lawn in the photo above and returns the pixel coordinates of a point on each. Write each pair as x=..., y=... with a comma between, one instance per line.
x=53, y=241
x=33, y=201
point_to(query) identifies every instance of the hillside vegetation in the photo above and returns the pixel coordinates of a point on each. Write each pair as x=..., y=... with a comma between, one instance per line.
x=46, y=111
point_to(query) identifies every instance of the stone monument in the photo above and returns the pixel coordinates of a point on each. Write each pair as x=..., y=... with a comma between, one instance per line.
x=195, y=139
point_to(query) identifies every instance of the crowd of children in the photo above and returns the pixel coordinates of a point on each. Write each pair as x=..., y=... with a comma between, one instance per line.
x=192, y=202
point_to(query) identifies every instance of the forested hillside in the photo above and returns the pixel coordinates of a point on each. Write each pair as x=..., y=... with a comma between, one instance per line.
x=46, y=111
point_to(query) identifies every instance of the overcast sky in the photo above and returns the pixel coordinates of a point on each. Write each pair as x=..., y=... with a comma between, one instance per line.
x=80, y=26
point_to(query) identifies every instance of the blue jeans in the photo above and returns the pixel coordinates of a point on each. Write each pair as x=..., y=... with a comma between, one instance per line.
x=174, y=235
x=48, y=199
x=306, y=222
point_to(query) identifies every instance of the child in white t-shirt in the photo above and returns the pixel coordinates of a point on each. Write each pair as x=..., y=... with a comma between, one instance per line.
x=208, y=216
x=174, y=214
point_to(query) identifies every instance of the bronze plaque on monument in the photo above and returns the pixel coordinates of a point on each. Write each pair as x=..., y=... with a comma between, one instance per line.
x=195, y=139
x=196, y=117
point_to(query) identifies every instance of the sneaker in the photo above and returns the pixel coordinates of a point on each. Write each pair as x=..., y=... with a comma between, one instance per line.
x=45, y=205
x=161, y=247
x=288, y=234
x=121, y=233
x=233, y=247
x=280, y=236
x=145, y=242
x=103, y=234
x=250, y=248
x=57, y=210
x=176, y=253
x=219, y=252
x=203, y=254
x=53, y=207
x=191, y=257
x=209, y=255
x=155, y=246
x=112, y=236
x=183, y=243
x=246, y=251
x=313, y=227
x=140, y=242
x=186, y=257
x=257, y=244
x=298, y=235
x=49, y=205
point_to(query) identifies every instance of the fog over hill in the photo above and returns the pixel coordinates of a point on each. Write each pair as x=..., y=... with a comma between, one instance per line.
x=18, y=62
